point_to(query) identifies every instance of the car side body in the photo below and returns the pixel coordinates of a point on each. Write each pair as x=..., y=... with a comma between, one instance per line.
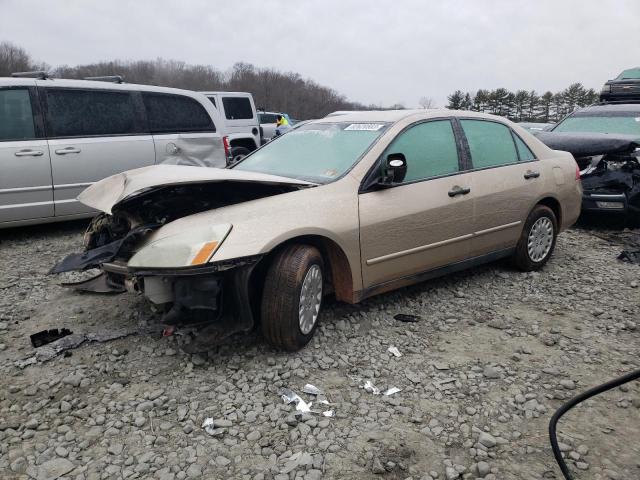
x=371, y=236
x=58, y=136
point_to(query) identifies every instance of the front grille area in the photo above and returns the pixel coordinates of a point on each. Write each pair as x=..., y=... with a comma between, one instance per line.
x=633, y=88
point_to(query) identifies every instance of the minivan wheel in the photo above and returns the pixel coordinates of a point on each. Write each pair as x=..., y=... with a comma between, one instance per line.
x=538, y=239
x=238, y=153
x=292, y=297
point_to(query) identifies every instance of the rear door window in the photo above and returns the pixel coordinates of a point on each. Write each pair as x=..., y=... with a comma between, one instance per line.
x=268, y=118
x=429, y=148
x=490, y=143
x=89, y=113
x=237, y=108
x=16, y=116
x=168, y=113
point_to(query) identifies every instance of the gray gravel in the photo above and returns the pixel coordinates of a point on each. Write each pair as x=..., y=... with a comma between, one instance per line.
x=494, y=354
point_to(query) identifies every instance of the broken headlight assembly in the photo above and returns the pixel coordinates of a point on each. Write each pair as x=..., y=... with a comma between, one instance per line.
x=191, y=248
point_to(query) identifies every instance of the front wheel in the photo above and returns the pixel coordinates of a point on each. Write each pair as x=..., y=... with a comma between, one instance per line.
x=292, y=297
x=538, y=239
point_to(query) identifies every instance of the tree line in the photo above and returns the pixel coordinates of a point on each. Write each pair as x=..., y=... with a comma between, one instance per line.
x=272, y=89
x=523, y=105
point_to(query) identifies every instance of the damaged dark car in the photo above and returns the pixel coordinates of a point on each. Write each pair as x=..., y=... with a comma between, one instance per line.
x=605, y=141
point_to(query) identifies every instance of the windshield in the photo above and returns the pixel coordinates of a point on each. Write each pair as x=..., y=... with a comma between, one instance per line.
x=316, y=152
x=628, y=124
x=632, y=73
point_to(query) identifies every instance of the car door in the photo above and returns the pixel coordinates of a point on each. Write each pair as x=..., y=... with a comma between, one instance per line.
x=93, y=133
x=506, y=184
x=425, y=222
x=26, y=191
x=183, y=130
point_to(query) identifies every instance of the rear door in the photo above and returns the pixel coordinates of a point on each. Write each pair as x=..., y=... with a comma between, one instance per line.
x=425, y=222
x=183, y=131
x=506, y=177
x=240, y=115
x=93, y=133
x=25, y=170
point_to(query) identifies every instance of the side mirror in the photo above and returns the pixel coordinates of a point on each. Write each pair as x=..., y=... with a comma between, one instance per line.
x=394, y=169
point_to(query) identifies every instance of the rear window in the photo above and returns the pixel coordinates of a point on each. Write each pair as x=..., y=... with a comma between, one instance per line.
x=86, y=113
x=168, y=113
x=16, y=118
x=268, y=118
x=237, y=108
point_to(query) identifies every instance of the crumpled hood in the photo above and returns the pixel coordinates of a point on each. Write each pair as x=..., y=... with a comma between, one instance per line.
x=107, y=193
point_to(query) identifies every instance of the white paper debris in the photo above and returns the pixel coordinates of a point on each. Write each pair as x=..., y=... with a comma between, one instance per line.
x=312, y=390
x=392, y=390
x=328, y=413
x=394, y=351
x=369, y=387
x=208, y=426
x=288, y=396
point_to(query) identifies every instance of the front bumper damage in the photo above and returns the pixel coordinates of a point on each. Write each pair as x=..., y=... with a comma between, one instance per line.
x=609, y=169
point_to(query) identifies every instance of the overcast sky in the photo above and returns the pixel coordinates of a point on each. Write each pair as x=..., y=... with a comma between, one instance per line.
x=371, y=51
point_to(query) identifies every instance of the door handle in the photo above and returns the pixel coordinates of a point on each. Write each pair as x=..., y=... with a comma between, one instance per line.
x=458, y=191
x=29, y=153
x=531, y=174
x=64, y=151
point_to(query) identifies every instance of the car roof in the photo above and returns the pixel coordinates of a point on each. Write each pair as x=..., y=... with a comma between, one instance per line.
x=393, y=116
x=70, y=83
x=244, y=94
x=610, y=107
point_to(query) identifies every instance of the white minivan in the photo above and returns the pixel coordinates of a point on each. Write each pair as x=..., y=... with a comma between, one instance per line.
x=59, y=136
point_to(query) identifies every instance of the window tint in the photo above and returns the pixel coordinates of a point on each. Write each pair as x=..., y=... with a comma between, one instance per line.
x=490, y=143
x=237, y=108
x=213, y=100
x=430, y=150
x=82, y=113
x=268, y=118
x=525, y=153
x=167, y=113
x=16, y=118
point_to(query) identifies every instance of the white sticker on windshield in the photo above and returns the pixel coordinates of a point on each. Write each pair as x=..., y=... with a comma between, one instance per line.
x=368, y=127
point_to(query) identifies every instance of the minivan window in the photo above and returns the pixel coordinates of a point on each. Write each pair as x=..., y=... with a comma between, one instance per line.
x=237, y=108
x=16, y=117
x=429, y=148
x=490, y=143
x=85, y=113
x=169, y=113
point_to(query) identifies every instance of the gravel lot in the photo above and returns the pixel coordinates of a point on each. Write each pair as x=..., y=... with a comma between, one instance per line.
x=494, y=354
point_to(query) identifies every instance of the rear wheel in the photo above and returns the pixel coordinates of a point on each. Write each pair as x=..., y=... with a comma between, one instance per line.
x=292, y=297
x=538, y=239
x=238, y=153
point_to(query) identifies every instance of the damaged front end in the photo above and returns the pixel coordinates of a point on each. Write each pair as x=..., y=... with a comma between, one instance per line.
x=175, y=271
x=609, y=169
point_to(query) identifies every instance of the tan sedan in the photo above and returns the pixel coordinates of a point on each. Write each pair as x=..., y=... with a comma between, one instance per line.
x=353, y=205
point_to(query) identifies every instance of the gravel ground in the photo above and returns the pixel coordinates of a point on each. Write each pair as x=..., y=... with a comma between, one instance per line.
x=494, y=354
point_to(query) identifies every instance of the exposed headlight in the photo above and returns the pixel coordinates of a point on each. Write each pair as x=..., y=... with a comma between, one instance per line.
x=193, y=247
x=606, y=88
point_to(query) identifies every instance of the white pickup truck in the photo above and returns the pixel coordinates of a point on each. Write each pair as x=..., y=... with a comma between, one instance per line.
x=238, y=113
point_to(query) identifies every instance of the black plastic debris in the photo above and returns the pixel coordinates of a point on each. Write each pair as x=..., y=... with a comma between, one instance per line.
x=47, y=336
x=631, y=256
x=404, y=317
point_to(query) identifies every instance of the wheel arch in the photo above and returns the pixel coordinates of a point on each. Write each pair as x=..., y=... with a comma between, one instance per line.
x=336, y=262
x=554, y=205
x=247, y=143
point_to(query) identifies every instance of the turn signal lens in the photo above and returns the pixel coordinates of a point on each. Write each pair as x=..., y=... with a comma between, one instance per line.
x=205, y=253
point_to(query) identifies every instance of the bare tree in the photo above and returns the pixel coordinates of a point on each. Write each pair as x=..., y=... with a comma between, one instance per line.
x=13, y=59
x=427, y=102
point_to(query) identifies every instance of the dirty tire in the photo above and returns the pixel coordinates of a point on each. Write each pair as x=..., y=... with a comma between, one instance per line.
x=522, y=258
x=281, y=297
x=238, y=153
